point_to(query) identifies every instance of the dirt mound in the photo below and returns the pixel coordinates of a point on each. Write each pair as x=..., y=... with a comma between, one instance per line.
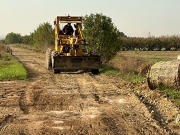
x=5, y=49
x=2, y=49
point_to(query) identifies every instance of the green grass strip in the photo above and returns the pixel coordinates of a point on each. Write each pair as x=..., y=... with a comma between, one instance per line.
x=11, y=69
x=131, y=76
x=172, y=93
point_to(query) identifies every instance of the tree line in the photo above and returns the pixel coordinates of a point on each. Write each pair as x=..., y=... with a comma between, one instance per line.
x=151, y=43
x=42, y=37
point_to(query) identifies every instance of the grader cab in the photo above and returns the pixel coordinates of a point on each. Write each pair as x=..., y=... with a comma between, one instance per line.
x=70, y=51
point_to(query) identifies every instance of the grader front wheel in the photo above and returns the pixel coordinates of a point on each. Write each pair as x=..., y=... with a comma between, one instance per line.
x=48, y=59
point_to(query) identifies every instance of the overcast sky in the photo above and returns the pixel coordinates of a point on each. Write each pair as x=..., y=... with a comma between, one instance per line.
x=136, y=18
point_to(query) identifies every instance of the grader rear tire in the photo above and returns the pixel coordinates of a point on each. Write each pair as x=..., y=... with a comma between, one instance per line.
x=54, y=53
x=56, y=71
x=95, y=71
x=48, y=59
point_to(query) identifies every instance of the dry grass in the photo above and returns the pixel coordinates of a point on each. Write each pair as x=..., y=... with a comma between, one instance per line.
x=2, y=49
x=139, y=61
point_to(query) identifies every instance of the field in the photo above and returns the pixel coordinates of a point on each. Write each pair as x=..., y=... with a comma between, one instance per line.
x=82, y=103
x=138, y=60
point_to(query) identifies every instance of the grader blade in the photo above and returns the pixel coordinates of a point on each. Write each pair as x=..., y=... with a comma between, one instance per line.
x=76, y=62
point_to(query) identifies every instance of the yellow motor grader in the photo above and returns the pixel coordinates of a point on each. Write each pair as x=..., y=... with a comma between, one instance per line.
x=70, y=51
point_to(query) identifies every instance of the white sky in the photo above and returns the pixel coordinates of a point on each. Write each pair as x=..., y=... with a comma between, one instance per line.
x=136, y=18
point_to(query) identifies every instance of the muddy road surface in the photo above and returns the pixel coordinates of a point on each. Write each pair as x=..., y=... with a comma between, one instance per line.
x=77, y=103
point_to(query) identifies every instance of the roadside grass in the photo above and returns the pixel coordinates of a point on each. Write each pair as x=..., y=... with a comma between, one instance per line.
x=11, y=69
x=131, y=76
x=172, y=93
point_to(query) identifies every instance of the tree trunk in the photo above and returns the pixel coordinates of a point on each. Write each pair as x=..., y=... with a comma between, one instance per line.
x=164, y=73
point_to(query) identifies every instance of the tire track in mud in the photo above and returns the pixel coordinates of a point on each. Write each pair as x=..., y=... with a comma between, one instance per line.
x=82, y=91
x=106, y=122
x=9, y=104
x=7, y=119
x=22, y=103
x=102, y=100
x=133, y=126
x=69, y=87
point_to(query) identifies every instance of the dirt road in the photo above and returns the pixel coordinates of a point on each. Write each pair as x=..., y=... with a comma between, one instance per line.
x=80, y=104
